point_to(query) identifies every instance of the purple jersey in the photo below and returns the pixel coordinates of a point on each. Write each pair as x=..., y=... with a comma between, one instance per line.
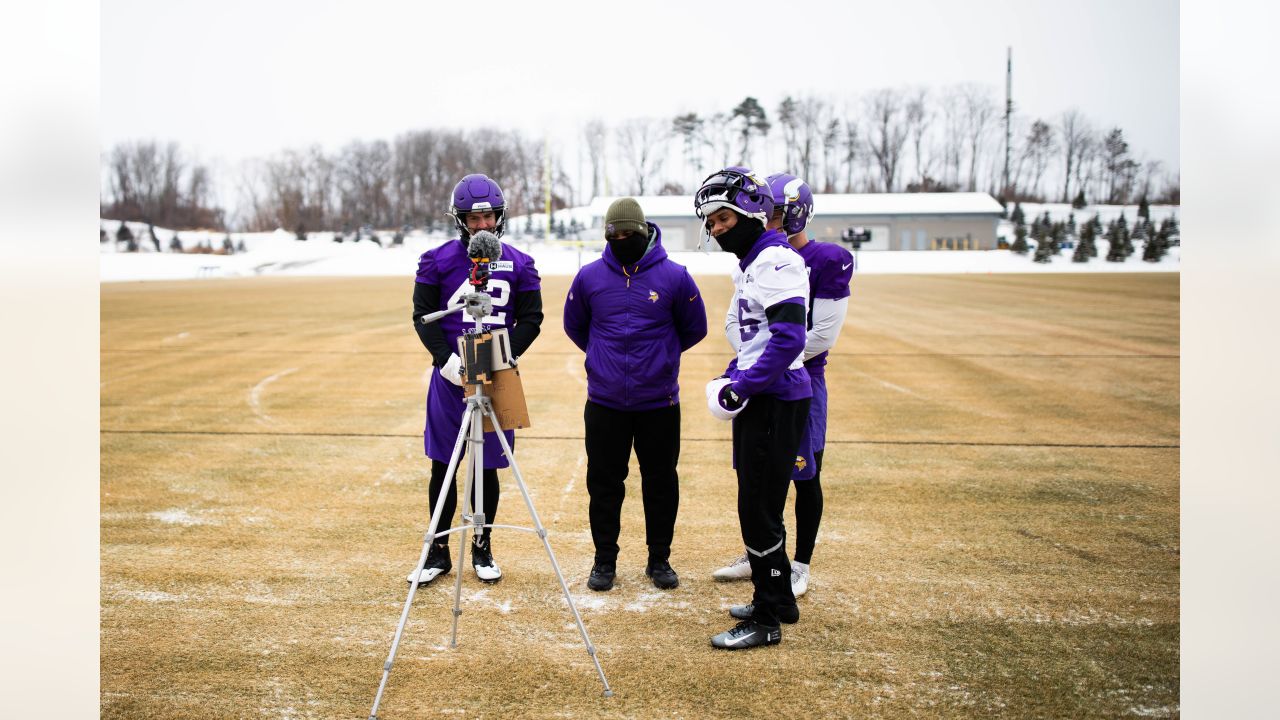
x=449, y=267
x=830, y=271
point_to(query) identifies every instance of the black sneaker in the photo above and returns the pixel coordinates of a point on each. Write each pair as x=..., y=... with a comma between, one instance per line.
x=664, y=578
x=602, y=574
x=437, y=564
x=482, y=560
x=747, y=634
x=786, y=613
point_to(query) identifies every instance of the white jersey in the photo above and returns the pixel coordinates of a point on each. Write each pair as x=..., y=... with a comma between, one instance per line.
x=775, y=275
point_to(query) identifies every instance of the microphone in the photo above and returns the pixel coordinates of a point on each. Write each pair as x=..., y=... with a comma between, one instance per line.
x=484, y=248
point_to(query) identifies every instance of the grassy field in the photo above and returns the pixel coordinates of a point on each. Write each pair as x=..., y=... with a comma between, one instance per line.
x=1000, y=536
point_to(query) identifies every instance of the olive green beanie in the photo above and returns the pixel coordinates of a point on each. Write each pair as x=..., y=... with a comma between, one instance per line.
x=624, y=215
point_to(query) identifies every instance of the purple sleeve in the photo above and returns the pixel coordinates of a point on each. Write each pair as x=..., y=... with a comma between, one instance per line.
x=691, y=314
x=428, y=272
x=786, y=342
x=577, y=314
x=832, y=273
x=527, y=275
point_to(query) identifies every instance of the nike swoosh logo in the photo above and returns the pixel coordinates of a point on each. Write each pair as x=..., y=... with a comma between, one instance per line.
x=845, y=267
x=741, y=638
x=779, y=267
x=692, y=298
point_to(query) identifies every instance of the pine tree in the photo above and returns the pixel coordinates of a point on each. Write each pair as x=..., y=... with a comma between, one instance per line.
x=1078, y=203
x=1044, y=251
x=1020, y=239
x=1144, y=209
x=1017, y=216
x=1155, y=248
x=1082, y=252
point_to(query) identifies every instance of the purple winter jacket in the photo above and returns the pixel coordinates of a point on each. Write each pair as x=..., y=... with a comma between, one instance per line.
x=633, y=322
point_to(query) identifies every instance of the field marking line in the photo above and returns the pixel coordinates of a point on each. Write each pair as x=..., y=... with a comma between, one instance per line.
x=568, y=487
x=575, y=369
x=255, y=395
x=890, y=385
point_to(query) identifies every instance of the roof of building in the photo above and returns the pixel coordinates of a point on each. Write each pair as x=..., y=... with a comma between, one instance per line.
x=870, y=204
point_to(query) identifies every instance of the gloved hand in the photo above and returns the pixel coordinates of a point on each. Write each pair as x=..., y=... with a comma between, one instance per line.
x=729, y=399
x=452, y=370
x=722, y=400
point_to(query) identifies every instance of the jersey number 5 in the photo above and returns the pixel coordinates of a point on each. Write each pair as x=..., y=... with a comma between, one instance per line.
x=747, y=327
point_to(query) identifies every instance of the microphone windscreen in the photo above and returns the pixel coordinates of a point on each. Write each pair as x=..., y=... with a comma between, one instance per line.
x=484, y=244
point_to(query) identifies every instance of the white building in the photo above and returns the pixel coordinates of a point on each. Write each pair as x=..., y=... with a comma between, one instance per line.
x=897, y=221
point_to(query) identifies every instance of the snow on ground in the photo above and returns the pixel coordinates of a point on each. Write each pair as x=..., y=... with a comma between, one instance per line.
x=278, y=253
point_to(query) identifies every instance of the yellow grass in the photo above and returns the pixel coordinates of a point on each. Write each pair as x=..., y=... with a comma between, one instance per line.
x=1000, y=536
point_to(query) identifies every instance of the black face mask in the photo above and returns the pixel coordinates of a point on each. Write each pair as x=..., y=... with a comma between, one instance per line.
x=741, y=237
x=630, y=249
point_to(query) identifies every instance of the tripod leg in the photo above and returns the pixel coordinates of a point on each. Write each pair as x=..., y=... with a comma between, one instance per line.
x=422, y=559
x=542, y=533
x=467, y=511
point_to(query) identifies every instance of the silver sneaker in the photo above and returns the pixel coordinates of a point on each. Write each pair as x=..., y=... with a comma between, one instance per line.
x=739, y=569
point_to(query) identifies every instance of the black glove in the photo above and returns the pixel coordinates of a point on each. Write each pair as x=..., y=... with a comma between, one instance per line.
x=729, y=399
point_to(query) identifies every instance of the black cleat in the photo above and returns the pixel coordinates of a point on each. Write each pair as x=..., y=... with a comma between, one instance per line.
x=602, y=574
x=664, y=578
x=482, y=561
x=747, y=634
x=786, y=613
x=437, y=564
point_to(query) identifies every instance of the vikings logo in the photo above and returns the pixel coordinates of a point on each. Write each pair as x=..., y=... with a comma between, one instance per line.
x=800, y=463
x=653, y=296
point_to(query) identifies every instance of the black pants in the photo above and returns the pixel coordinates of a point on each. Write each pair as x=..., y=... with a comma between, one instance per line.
x=609, y=435
x=766, y=436
x=451, y=497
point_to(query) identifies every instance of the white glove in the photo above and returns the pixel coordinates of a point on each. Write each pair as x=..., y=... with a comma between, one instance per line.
x=452, y=370
x=714, y=404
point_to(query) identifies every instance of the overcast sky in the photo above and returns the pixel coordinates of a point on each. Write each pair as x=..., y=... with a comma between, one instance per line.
x=235, y=78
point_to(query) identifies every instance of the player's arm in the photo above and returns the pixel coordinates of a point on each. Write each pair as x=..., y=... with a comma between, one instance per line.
x=828, y=318
x=786, y=342
x=690, y=314
x=426, y=300
x=528, y=310
x=731, y=330
x=577, y=315
x=831, y=281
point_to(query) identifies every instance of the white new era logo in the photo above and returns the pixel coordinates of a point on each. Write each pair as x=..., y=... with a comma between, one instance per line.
x=774, y=573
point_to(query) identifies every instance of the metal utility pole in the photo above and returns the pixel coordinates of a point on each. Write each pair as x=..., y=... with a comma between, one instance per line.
x=1008, y=118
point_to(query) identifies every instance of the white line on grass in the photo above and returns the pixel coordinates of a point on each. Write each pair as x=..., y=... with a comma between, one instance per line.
x=255, y=395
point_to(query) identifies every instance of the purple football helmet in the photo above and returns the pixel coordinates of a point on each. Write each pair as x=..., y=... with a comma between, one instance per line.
x=474, y=193
x=738, y=189
x=796, y=200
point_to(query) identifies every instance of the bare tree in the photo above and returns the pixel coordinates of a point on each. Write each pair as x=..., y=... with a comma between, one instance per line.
x=887, y=131
x=952, y=135
x=788, y=118
x=642, y=145
x=1075, y=132
x=852, y=146
x=1040, y=145
x=918, y=119
x=595, y=133
x=979, y=113
x=812, y=121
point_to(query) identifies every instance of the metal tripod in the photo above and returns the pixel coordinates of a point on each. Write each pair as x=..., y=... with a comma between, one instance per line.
x=471, y=432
